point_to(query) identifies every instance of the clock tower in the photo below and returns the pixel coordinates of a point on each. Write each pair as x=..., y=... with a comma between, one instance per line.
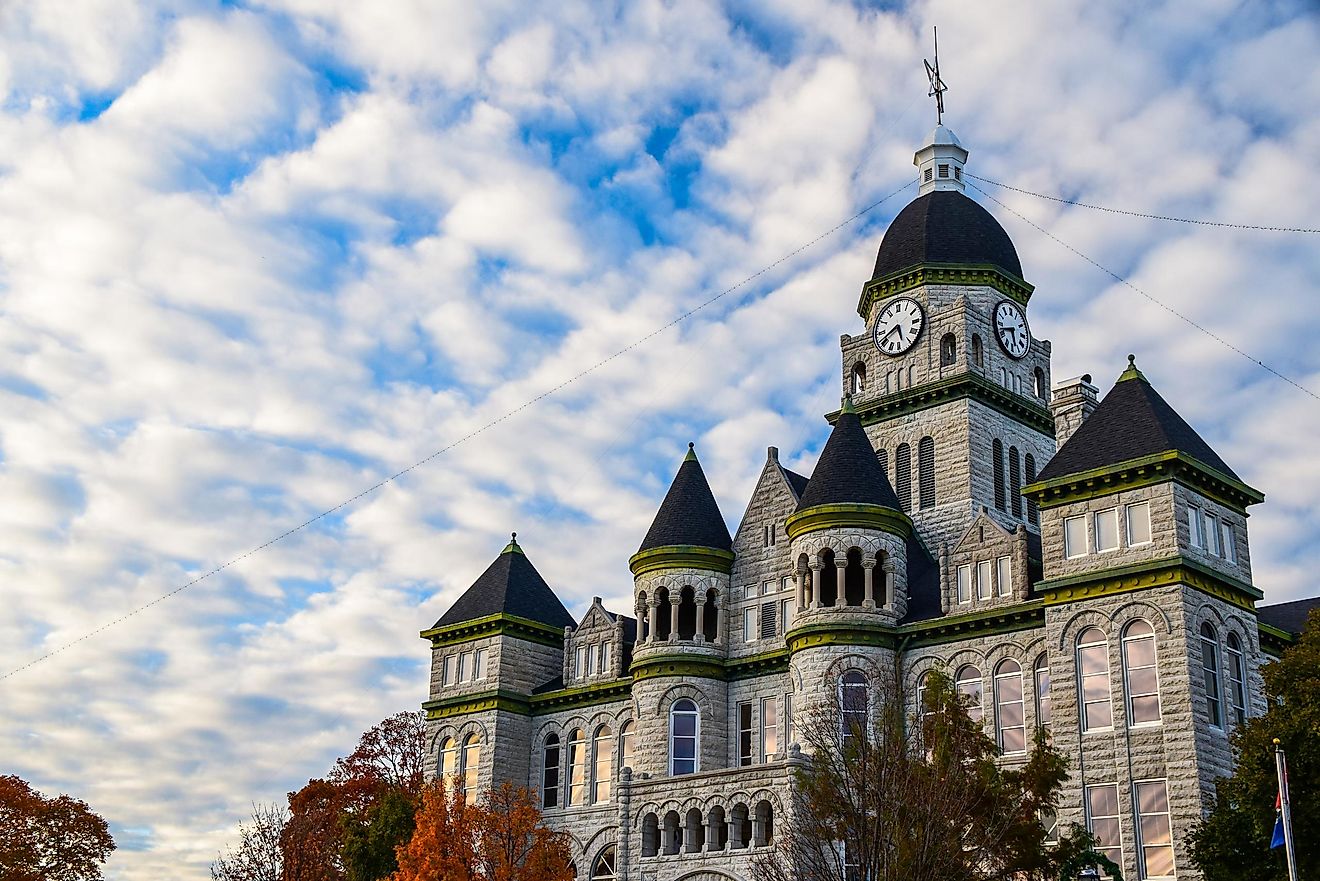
x=948, y=380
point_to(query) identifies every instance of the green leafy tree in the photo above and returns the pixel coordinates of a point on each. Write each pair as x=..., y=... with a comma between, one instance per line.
x=1233, y=843
x=369, y=842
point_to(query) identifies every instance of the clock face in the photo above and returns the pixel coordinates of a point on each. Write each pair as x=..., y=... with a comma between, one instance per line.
x=1011, y=329
x=898, y=326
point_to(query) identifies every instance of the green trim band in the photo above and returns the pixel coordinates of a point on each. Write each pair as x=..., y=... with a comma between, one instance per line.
x=986, y=274
x=775, y=661
x=848, y=516
x=680, y=557
x=678, y=665
x=495, y=625
x=582, y=695
x=963, y=386
x=852, y=633
x=1273, y=640
x=1144, y=471
x=1153, y=573
x=1005, y=619
x=485, y=701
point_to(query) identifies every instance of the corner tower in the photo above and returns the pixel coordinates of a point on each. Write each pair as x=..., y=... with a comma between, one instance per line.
x=949, y=382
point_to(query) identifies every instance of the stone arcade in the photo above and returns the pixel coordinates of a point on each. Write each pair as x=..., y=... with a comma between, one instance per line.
x=1076, y=563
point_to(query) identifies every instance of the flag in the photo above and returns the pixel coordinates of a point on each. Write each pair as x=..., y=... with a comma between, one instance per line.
x=1277, y=841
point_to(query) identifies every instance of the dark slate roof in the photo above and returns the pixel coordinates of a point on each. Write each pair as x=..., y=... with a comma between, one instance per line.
x=1290, y=617
x=555, y=684
x=945, y=227
x=512, y=586
x=689, y=514
x=848, y=471
x=1131, y=422
x=923, y=583
x=796, y=481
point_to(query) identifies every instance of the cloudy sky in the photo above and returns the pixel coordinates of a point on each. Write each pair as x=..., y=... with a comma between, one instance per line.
x=255, y=257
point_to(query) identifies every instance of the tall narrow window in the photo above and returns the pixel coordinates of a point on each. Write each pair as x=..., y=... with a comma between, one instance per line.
x=903, y=476
x=749, y=624
x=448, y=761
x=1138, y=524
x=580, y=661
x=1074, y=536
x=745, y=734
x=1212, y=534
x=978, y=356
x=1102, y=820
x=1001, y=493
x=1038, y=383
x=852, y=702
x=1139, y=668
x=604, y=662
x=985, y=588
x=684, y=734
x=1044, y=704
x=1106, y=530
x=1015, y=480
x=1195, y=527
x=968, y=683
x=471, y=763
x=948, y=350
x=882, y=456
x=604, y=765
x=1093, y=671
x=964, y=584
x=1227, y=545
x=591, y=660
x=1237, y=680
x=550, y=773
x=1010, y=718
x=577, y=767
x=1033, y=510
x=479, y=664
x=450, y=670
x=926, y=472
x=1004, y=576
x=769, y=728
x=788, y=720
x=627, y=743
x=1210, y=666
x=464, y=666
x=858, y=378
x=1154, y=831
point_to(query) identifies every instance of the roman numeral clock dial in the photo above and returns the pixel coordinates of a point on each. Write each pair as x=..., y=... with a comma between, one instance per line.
x=898, y=326
x=1011, y=329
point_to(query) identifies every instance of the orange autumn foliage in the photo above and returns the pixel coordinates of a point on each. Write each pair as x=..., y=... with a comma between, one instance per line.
x=500, y=839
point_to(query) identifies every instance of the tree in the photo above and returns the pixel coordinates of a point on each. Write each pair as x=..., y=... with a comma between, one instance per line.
x=257, y=856
x=1233, y=841
x=920, y=799
x=370, y=842
x=49, y=839
x=501, y=839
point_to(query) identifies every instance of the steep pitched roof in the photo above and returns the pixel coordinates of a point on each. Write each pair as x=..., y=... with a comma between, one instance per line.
x=1289, y=617
x=848, y=472
x=796, y=481
x=511, y=586
x=1131, y=422
x=689, y=514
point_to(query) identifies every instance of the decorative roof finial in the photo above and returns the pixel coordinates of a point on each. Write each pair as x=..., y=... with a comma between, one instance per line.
x=691, y=453
x=512, y=547
x=937, y=87
x=848, y=405
x=1132, y=372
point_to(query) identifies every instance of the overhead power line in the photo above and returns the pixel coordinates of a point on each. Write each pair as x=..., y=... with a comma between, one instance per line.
x=1074, y=202
x=1166, y=307
x=464, y=439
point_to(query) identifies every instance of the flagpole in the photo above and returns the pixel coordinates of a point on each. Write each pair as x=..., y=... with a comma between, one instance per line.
x=1285, y=807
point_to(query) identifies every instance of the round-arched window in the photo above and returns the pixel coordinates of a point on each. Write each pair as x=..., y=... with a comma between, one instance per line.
x=684, y=736
x=603, y=868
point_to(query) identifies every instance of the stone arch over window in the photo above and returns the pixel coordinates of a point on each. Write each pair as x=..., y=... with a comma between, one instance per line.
x=1033, y=511
x=1010, y=707
x=602, y=869
x=1093, y=680
x=926, y=472
x=602, y=774
x=740, y=827
x=1015, y=481
x=694, y=831
x=673, y=833
x=882, y=456
x=829, y=579
x=978, y=354
x=684, y=737
x=1041, y=684
x=970, y=687
x=1141, y=681
x=763, y=824
x=577, y=768
x=903, y=476
x=550, y=772
x=687, y=613
x=710, y=616
x=854, y=698
x=663, y=619
x=1038, y=384
x=448, y=760
x=854, y=579
x=948, y=350
x=1210, y=672
x=858, y=384
x=1001, y=492
x=650, y=835
x=807, y=590
x=717, y=829
x=471, y=762
x=1235, y=669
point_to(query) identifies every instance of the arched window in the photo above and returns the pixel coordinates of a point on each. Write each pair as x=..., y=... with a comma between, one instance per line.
x=926, y=472
x=577, y=767
x=948, y=349
x=603, y=774
x=662, y=614
x=471, y=762
x=903, y=476
x=1093, y=673
x=650, y=835
x=710, y=616
x=627, y=743
x=852, y=704
x=1033, y=512
x=922, y=711
x=1001, y=495
x=550, y=773
x=684, y=736
x=694, y=831
x=1210, y=665
x=448, y=761
x=968, y=683
x=763, y=825
x=978, y=357
x=1237, y=680
x=603, y=868
x=687, y=614
x=882, y=456
x=1044, y=704
x=673, y=838
x=717, y=835
x=1015, y=481
x=1139, y=669
x=1038, y=383
x=643, y=617
x=858, y=378
x=740, y=827
x=1010, y=718
x=854, y=579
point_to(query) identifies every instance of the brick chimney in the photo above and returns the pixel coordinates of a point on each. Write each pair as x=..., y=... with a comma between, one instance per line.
x=1073, y=401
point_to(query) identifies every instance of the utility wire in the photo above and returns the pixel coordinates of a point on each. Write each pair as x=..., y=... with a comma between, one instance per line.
x=1167, y=308
x=1062, y=201
x=465, y=438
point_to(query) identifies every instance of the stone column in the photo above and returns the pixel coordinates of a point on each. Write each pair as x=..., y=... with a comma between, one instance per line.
x=673, y=617
x=699, y=635
x=840, y=566
x=868, y=567
x=655, y=620
x=643, y=623
x=719, y=623
x=802, y=590
x=816, y=566
x=891, y=598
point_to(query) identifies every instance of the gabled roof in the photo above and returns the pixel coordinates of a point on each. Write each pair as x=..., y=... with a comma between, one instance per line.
x=796, y=481
x=848, y=472
x=1131, y=422
x=688, y=515
x=510, y=586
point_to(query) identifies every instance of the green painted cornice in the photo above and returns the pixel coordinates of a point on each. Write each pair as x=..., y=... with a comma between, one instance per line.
x=1172, y=465
x=961, y=386
x=1026, y=615
x=680, y=665
x=480, y=702
x=826, y=633
x=582, y=695
x=848, y=516
x=979, y=274
x=1274, y=641
x=1150, y=574
x=494, y=625
x=681, y=557
x=775, y=661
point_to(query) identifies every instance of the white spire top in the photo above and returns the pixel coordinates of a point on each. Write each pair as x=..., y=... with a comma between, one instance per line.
x=940, y=161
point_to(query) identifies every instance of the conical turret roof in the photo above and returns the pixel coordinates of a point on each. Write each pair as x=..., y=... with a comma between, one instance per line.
x=511, y=586
x=848, y=472
x=689, y=514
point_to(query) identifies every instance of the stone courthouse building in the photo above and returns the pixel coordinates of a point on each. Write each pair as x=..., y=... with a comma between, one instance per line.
x=1075, y=562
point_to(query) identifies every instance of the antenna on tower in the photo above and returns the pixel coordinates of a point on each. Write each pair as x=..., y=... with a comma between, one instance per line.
x=937, y=87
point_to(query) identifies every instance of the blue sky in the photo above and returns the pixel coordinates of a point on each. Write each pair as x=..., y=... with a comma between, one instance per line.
x=254, y=257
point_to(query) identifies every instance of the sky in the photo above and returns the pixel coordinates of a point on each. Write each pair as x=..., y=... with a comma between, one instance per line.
x=256, y=257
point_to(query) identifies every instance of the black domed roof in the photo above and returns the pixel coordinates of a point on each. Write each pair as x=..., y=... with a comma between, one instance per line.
x=945, y=227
